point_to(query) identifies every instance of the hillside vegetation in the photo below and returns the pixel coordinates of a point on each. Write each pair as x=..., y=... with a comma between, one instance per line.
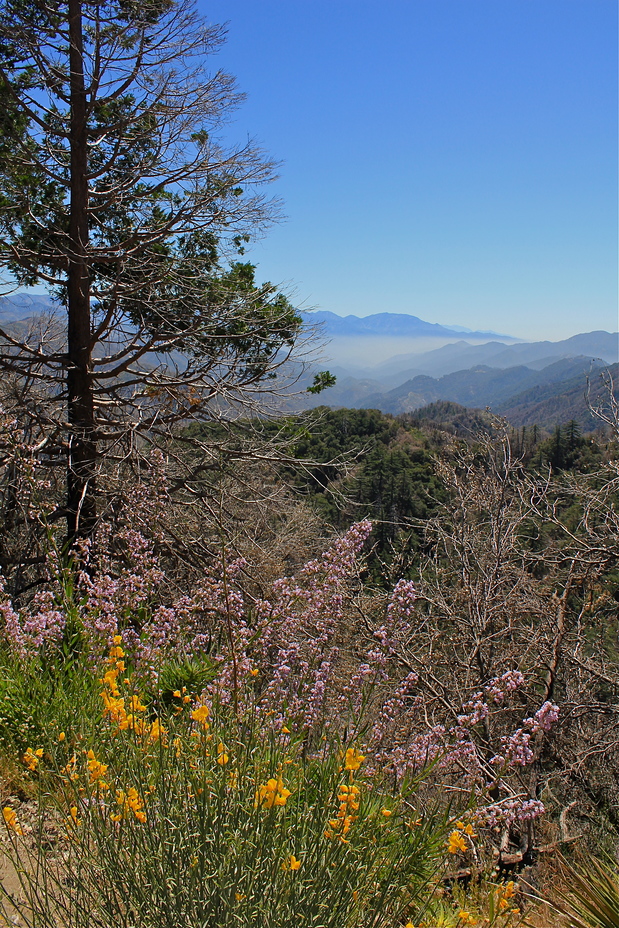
x=333, y=669
x=415, y=609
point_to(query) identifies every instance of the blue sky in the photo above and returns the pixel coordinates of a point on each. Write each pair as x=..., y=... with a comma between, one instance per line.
x=453, y=159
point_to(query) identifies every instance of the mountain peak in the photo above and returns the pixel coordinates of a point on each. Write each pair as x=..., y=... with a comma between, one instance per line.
x=389, y=324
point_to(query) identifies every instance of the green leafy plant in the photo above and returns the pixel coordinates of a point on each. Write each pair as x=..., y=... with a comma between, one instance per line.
x=187, y=674
x=37, y=701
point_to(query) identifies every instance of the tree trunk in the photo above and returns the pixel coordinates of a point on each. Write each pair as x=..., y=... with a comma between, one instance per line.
x=82, y=455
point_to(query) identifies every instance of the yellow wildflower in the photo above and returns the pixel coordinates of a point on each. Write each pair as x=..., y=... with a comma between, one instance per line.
x=291, y=863
x=157, y=731
x=129, y=802
x=139, y=726
x=109, y=679
x=95, y=768
x=353, y=760
x=116, y=651
x=456, y=843
x=136, y=705
x=200, y=715
x=348, y=798
x=265, y=795
x=386, y=812
x=31, y=758
x=10, y=820
x=114, y=708
x=222, y=757
x=272, y=793
x=61, y=736
x=466, y=829
x=70, y=769
x=72, y=819
x=282, y=794
x=466, y=917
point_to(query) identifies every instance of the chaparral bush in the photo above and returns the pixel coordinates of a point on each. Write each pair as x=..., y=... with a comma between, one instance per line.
x=208, y=815
x=216, y=758
x=315, y=653
x=201, y=817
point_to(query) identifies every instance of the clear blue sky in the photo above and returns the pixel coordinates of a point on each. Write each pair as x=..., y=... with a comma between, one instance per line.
x=453, y=159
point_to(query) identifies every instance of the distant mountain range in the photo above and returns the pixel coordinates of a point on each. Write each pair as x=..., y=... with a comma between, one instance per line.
x=558, y=393
x=20, y=306
x=399, y=324
x=543, y=382
x=399, y=363
x=461, y=355
x=551, y=404
x=477, y=387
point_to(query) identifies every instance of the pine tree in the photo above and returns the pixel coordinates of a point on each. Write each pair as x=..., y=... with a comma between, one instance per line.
x=116, y=196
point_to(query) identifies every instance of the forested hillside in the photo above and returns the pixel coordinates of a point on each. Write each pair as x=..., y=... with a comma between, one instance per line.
x=433, y=598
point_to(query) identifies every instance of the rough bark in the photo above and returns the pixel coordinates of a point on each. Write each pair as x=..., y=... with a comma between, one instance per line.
x=82, y=461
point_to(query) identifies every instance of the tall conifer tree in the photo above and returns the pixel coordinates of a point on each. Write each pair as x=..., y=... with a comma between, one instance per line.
x=118, y=198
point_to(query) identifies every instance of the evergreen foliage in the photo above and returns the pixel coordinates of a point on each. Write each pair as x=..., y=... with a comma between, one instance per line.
x=118, y=198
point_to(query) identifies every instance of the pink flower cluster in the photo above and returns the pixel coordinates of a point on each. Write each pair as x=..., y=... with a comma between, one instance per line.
x=516, y=748
x=514, y=809
x=30, y=630
x=499, y=688
x=299, y=658
x=402, y=599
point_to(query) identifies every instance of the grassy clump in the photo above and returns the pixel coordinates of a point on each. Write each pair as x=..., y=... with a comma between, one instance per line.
x=204, y=817
x=592, y=897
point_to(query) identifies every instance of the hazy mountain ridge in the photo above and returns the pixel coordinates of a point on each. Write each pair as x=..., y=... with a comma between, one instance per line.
x=461, y=355
x=20, y=306
x=527, y=382
x=548, y=405
x=477, y=387
x=399, y=324
x=489, y=373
